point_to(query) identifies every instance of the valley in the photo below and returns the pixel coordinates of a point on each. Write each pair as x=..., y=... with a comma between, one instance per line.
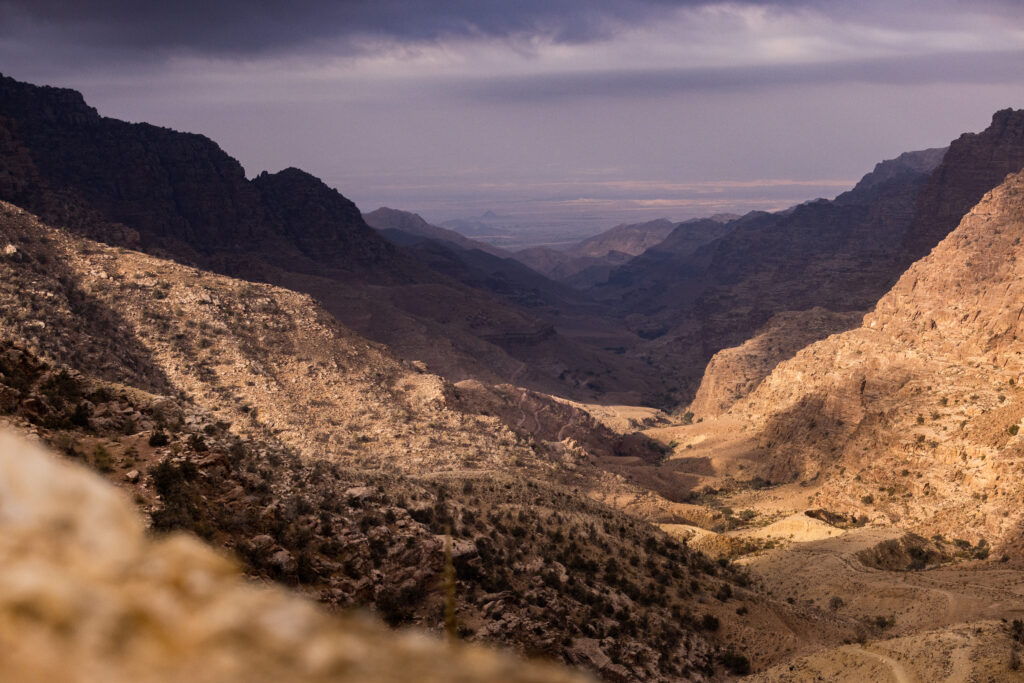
x=783, y=446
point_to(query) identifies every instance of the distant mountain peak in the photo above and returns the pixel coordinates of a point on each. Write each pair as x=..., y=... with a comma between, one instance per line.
x=385, y=219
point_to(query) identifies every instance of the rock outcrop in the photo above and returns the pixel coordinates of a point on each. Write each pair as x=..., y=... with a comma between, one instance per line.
x=323, y=224
x=735, y=372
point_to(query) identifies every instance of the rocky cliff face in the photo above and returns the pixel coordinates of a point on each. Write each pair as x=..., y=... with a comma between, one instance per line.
x=180, y=191
x=974, y=164
x=19, y=178
x=167, y=185
x=923, y=402
x=323, y=224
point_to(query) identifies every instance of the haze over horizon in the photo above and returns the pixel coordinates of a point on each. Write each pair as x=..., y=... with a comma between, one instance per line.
x=577, y=114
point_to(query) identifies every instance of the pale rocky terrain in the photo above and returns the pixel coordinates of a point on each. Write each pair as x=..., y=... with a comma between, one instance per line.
x=926, y=387
x=733, y=373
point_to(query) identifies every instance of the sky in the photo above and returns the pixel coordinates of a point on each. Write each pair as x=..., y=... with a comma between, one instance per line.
x=578, y=114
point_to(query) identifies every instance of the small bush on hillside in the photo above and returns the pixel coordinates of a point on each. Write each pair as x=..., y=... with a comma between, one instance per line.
x=101, y=459
x=709, y=622
x=736, y=663
x=159, y=438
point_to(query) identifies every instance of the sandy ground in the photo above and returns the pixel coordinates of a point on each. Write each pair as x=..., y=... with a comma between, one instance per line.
x=797, y=528
x=971, y=653
x=946, y=623
x=622, y=418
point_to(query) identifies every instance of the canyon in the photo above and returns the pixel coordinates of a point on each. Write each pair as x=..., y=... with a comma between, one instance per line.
x=780, y=445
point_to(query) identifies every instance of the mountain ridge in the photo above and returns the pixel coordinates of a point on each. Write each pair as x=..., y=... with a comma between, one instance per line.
x=180, y=195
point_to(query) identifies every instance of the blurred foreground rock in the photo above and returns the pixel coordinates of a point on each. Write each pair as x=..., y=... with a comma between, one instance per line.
x=86, y=595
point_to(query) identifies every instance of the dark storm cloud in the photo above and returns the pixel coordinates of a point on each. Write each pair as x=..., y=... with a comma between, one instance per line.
x=222, y=27
x=949, y=68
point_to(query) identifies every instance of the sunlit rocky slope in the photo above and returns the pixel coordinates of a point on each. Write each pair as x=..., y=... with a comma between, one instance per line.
x=926, y=388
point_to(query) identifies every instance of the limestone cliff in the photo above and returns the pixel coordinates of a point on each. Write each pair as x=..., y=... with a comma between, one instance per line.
x=923, y=403
x=974, y=164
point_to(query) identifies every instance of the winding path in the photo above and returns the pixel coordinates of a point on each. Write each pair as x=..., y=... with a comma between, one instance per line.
x=898, y=672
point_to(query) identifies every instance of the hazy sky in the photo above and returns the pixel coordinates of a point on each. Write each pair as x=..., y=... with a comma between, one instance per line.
x=597, y=110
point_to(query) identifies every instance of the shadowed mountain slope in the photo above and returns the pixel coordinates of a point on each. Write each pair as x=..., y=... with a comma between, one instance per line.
x=589, y=262
x=840, y=255
x=180, y=195
x=385, y=219
x=974, y=164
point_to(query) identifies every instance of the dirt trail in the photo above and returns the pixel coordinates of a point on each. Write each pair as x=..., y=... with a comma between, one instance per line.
x=961, y=672
x=899, y=674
